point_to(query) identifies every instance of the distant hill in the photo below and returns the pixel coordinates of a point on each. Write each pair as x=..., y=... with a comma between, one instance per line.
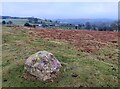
x=83, y=21
x=10, y=17
x=69, y=21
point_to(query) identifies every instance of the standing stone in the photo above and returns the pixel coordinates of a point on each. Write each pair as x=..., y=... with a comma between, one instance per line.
x=42, y=65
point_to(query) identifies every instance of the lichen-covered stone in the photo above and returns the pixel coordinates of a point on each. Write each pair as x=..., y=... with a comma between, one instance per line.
x=42, y=65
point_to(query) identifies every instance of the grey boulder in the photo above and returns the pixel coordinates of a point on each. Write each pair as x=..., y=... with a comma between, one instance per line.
x=42, y=65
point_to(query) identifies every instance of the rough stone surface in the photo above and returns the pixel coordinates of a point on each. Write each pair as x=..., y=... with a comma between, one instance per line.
x=42, y=65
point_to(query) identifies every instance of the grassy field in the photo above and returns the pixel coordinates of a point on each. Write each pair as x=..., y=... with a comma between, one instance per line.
x=20, y=22
x=19, y=44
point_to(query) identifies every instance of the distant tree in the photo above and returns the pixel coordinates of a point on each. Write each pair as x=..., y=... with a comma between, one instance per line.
x=100, y=28
x=56, y=21
x=30, y=20
x=27, y=25
x=83, y=25
x=9, y=22
x=103, y=27
x=50, y=20
x=34, y=26
x=94, y=27
x=76, y=27
x=3, y=22
x=88, y=26
x=119, y=25
x=79, y=26
x=46, y=20
x=114, y=26
x=35, y=20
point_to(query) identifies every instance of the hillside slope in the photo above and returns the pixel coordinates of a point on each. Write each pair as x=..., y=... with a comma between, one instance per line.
x=97, y=68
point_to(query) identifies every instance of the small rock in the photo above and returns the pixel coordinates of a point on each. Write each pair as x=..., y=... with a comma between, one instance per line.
x=43, y=65
x=5, y=80
x=114, y=69
x=80, y=86
x=74, y=75
x=78, y=54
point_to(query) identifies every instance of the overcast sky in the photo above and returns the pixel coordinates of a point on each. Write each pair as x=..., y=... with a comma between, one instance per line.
x=60, y=10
